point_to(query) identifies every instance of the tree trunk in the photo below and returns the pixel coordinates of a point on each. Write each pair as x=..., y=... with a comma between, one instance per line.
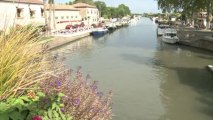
x=50, y=17
x=45, y=16
x=54, y=24
x=208, y=14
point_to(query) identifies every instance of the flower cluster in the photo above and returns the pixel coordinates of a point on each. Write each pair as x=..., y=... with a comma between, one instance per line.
x=82, y=99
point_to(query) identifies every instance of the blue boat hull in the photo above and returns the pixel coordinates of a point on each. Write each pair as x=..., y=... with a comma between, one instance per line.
x=98, y=33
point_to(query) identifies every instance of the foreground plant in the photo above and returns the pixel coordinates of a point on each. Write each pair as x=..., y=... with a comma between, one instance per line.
x=25, y=70
x=33, y=106
x=82, y=100
x=22, y=64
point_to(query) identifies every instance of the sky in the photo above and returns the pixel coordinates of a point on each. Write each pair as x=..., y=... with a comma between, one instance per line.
x=136, y=6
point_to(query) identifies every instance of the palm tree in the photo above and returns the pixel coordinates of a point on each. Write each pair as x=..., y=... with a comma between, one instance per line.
x=45, y=14
x=50, y=15
x=54, y=26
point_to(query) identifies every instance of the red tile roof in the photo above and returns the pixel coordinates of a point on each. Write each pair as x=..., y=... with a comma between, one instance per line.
x=83, y=5
x=25, y=1
x=64, y=7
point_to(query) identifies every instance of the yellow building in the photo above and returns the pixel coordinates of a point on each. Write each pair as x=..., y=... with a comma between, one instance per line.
x=64, y=15
x=89, y=13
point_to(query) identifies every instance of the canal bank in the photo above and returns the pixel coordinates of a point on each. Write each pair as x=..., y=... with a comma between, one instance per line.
x=196, y=38
x=150, y=80
x=65, y=39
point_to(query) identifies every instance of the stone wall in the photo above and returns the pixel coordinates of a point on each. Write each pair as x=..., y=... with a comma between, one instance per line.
x=196, y=38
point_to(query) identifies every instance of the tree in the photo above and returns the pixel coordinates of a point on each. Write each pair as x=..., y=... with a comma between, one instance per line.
x=69, y=3
x=123, y=10
x=90, y=2
x=189, y=7
x=101, y=7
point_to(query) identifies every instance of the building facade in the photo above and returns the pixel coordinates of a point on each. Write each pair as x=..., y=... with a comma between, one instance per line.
x=64, y=15
x=90, y=14
x=21, y=12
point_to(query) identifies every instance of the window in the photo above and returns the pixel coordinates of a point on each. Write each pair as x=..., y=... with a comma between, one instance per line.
x=67, y=17
x=62, y=17
x=87, y=11
x=72, y=17
x=56, y=17
x=91, y=11
x=76, y=16
x=42, y=12
x=19, y=12
x=32, y=13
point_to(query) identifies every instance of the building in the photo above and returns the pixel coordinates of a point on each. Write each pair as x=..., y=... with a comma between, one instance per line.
x=64, y=15
x=201, y=19
x=89, y=13
x=21, y=12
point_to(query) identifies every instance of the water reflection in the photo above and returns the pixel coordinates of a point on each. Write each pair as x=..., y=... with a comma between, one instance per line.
x=186, y=86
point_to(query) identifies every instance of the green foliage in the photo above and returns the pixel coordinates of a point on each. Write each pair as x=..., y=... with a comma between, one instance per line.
x=90, y=2
x=107, y=12
x=101, y=7
x=28, y=106
x=115, y=12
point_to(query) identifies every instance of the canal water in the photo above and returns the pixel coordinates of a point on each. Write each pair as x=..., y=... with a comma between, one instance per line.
x=150, y=80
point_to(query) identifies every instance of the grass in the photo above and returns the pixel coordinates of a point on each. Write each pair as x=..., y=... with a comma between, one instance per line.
x=45, y=39
x=21, y=64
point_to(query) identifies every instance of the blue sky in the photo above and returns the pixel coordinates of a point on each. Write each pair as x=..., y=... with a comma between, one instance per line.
x=136, y=6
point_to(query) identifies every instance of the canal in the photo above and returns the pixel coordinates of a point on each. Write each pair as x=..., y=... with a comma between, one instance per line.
x=150, y=80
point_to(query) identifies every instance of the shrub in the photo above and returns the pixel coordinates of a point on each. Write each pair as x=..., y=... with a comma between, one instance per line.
x=33, y=106
x=22, y=64
x=82, y=100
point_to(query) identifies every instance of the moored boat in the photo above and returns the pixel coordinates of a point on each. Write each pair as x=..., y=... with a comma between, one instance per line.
x=170, y=36
x=210, y=67
x=99, y=31
x=161, y=28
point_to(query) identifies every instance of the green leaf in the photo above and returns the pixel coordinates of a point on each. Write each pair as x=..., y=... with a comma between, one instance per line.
x=40, y=94
x=16, y=116
x=62, y=115
x=61, y=105
x=55, y=114
x=25, y=98
x=25, y=113
x=69, y=118
x=54, y=105
x=4, y=116
x=50, y=114
x=3, y=107
x=60, y=94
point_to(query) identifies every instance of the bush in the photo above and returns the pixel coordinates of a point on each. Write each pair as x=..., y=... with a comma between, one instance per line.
x=33, y=106
x=22, y=64
x=30, y=76
x=82, y=100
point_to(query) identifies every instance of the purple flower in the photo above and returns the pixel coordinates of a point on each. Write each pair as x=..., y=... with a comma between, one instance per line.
x=100, y=94
x=76, y=102
x=94, y=88
x=62, y=110
x=58, y=83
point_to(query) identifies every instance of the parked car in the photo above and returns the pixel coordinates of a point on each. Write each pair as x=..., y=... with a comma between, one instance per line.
x=69, y=27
